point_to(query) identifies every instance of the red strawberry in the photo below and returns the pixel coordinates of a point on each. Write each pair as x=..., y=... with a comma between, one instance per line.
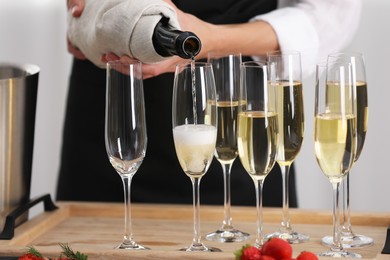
x=277, y=248
x=306, y=255
x=266, y=257
x=29, y=256
x=251, y=253
x=248, y=252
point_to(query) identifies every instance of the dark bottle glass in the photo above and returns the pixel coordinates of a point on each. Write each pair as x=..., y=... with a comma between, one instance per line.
x=169, y=42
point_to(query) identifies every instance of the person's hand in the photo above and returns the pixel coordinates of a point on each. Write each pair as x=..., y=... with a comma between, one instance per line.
x=187, y=22
x=148, y=70
x=76, y=7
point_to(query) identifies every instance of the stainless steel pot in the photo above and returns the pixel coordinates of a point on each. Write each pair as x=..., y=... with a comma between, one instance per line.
x=18, y=98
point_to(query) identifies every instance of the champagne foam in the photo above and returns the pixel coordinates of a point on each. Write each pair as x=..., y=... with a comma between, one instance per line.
x=195, y=134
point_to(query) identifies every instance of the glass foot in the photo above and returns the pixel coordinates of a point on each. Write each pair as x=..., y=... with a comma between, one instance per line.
x=350, y=241
x=131, y=245
x=200, y=248
x=227, y=235
x=291, y=237
x=339, y=253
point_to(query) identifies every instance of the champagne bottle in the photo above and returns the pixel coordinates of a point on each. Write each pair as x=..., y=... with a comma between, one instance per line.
x=168, y=41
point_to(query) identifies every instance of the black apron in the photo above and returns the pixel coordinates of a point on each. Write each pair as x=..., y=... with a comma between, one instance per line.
x=85, y=171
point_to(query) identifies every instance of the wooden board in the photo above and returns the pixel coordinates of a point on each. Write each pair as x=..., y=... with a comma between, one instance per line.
x=96, y=228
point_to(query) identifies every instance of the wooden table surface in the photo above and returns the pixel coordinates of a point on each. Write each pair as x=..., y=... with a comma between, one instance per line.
x=96, y=228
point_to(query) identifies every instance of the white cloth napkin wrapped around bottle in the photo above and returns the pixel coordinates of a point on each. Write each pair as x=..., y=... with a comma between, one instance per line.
x=124, y=27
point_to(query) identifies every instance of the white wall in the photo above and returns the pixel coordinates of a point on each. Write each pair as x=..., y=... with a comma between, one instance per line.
x=369, y=178
x=33, y=31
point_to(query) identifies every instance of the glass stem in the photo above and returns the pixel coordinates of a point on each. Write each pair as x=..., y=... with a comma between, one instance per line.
x=128, y=235
x=227, y=222
x=336, y=218
x=259, y=210
x=285, y=228
x=196, y=241
x=346, y=227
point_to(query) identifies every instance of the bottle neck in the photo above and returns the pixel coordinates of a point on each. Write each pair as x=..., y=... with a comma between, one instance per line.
x=169, y=42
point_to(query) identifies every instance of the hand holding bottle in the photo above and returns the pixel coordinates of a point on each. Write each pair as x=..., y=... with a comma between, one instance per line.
x=125, y=27
x=164, y=35
x=251, y=39
x=188, y=22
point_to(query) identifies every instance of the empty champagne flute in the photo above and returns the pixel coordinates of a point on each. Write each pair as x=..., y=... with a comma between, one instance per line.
x=257, y=131
x=194, y=123
x=286, y=78
x=335, y=137
x=227, y=80
x=125, y=131
x=348, y=238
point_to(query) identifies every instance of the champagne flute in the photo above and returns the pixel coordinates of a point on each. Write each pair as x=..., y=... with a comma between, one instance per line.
x=335, y=137
x=286, y=77
x=194, y=121
x=125, y=131
x=227, y=79
x=348, y=238
x=257, y=131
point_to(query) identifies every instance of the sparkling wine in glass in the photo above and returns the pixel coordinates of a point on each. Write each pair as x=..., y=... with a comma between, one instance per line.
x=125, y=131
x=257, y=131
x=286, y=78
x=335, y=136
x=348, y=238
x=227, y=80
x=194, y=122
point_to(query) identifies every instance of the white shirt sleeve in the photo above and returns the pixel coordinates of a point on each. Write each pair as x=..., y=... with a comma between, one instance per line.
x=122, y=26
x=314, y=27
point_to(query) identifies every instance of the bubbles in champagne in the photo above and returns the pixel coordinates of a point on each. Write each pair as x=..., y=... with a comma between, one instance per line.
x=195, y=147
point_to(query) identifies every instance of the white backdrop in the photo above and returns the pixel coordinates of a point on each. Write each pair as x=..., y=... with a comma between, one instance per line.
x=370, y=180
x=33, y=31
